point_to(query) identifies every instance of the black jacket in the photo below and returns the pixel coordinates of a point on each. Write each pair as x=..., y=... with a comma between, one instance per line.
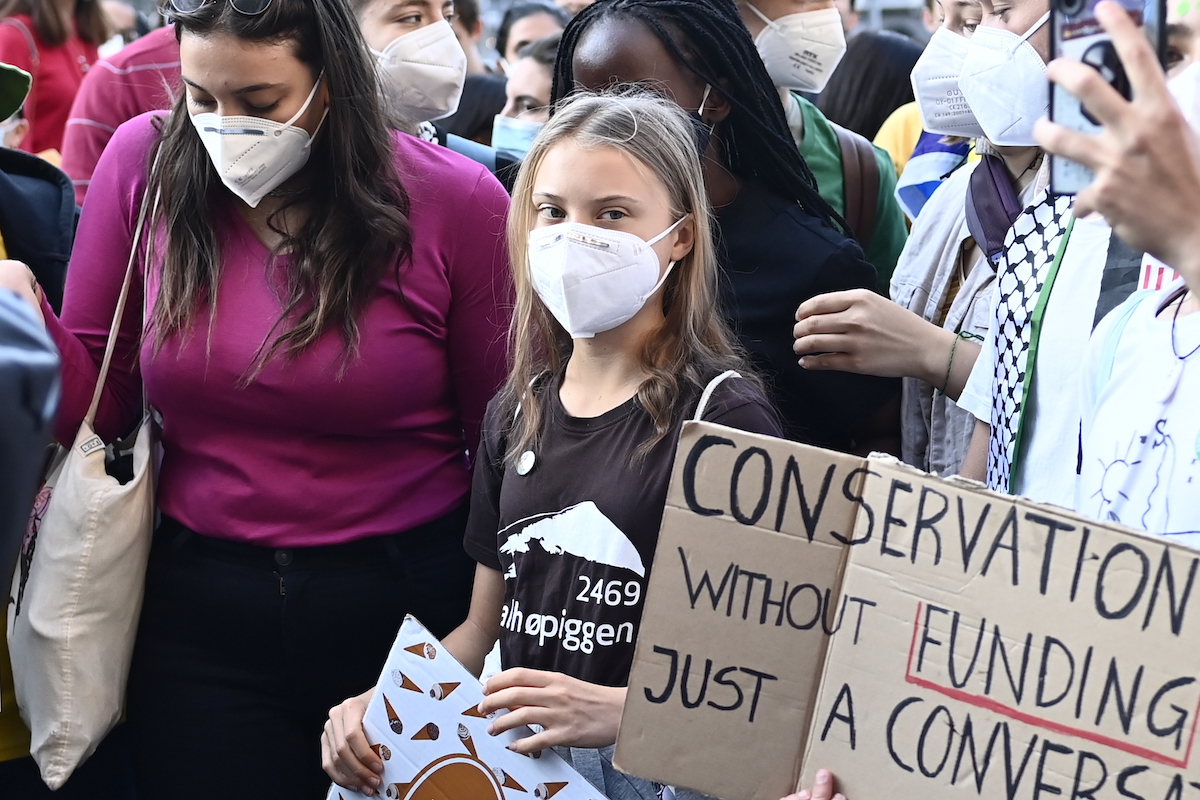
x=37, y=218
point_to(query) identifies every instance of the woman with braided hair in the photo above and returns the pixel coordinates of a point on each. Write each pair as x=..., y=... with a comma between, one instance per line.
x=780, y=242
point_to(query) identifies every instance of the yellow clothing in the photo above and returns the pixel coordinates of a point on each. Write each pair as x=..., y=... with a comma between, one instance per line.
x=899, y=133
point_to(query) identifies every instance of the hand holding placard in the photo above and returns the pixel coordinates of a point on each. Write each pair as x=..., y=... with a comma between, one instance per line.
x=427, y=739
x=917, y=636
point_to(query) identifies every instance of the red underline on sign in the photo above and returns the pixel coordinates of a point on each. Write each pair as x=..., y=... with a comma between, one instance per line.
x=989, y=704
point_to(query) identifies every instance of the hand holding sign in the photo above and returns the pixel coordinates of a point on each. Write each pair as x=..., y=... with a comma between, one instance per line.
x=822, y=789
x=1146, y=160
x=346, y=755
x=570, y=711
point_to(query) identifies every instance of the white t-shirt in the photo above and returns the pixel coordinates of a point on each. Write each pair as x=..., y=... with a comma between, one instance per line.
x=1141, y=429
x=1050, y=451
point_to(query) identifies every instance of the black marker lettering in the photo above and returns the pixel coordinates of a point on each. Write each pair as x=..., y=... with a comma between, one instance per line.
x=1010, y=524
x=666, y=693
x=1166, y=570
x=1102, y=604
x=927, y=522
x=810, y=516
x=847, y=717
x=890, y=519
x=764, y=494
x=689, y=473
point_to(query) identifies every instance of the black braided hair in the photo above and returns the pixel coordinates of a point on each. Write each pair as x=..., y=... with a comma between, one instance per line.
x=710, y=39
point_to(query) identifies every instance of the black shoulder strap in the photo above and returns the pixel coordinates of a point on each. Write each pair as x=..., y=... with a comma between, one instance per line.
x=860, y=179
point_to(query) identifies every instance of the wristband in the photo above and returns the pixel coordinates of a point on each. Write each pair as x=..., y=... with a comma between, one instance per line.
x=953, y=348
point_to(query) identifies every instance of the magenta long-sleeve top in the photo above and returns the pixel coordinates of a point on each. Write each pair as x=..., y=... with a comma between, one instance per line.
x=301, y=455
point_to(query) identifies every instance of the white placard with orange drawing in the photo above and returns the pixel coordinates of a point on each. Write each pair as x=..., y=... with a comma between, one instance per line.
x=425, y=725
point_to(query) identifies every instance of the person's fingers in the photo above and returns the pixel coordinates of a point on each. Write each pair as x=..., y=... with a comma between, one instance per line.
x=510, y=698
x=1086, y=83
x=823, y=785
x=536, y=743
x=1086, y=202
x=836, y=322
x=1064, y=142
x=819, y=343
x=1136, y=53
x=833, y=362
x=332, y=766
x=351, y=752
x=517, y=676
x=829, y=303
x=371, y=766
x=529, y=715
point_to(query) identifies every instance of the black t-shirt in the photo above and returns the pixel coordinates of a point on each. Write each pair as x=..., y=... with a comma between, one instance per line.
x=773, y=257
x=575, y=536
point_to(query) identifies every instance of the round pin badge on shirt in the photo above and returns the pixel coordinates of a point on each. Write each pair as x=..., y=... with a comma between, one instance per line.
x=525, y=462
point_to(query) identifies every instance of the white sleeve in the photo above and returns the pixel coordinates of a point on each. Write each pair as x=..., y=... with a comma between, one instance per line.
x=976, y=397
x=1089, y=371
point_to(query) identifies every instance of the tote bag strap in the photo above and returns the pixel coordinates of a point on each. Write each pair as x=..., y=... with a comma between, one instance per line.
x=702, y=406
x=90, y=418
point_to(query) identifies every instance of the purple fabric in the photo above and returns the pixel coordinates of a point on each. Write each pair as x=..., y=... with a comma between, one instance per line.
x=992, y=205
x=301, y=457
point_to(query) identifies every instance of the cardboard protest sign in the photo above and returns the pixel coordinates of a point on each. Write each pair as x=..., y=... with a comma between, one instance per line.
x=919, y=637
x=425, y=726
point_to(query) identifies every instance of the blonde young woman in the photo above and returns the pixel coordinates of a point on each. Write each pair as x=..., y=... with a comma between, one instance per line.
x=580, y=441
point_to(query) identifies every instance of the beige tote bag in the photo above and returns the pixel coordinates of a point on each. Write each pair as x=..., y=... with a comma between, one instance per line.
x=77, y=592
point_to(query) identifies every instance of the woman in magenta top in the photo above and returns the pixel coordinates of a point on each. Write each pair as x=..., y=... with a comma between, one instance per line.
x=55, y=41
x=328, y=302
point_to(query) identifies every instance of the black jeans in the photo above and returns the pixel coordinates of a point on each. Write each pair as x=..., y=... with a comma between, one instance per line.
x=242, y=650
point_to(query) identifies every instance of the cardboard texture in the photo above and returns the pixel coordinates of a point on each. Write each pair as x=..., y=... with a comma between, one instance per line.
x=427, y=730
x=919, y=637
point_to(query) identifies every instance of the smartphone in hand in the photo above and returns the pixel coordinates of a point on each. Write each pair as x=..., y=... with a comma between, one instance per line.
x=1076, y=33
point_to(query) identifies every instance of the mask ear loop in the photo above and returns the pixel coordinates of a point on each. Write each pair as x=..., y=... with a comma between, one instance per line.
x=703, y=100
x=304, y=108
x=1037, y=26
x=674, y=225
x=770, y=23
x=670, y=264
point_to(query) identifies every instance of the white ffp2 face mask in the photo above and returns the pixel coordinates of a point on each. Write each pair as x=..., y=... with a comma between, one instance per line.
x=422, y=73
x=943, y=108
x=1185, y=88
x=1004, y=81
x=801, y=50
x=253, y=155
x=593, y=279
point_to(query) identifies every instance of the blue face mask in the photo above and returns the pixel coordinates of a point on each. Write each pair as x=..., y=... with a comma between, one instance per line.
x=514, y=137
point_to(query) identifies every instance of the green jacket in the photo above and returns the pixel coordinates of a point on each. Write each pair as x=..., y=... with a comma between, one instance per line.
x=821, y=150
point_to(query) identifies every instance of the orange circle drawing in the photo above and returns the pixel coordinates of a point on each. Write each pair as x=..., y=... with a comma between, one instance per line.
x=453, y=777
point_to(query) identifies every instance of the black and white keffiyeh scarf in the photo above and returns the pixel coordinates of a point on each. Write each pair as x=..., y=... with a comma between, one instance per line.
x=1029, y=252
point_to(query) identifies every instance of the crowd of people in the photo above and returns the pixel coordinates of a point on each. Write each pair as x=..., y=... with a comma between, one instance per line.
x=398, y=299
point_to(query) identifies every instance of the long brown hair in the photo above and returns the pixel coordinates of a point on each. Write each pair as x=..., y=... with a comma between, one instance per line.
x=91, y=23
x=694, y=343
x=357, y=209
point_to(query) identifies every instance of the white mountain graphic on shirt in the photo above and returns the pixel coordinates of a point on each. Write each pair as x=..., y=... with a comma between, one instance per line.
x=581, y=530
